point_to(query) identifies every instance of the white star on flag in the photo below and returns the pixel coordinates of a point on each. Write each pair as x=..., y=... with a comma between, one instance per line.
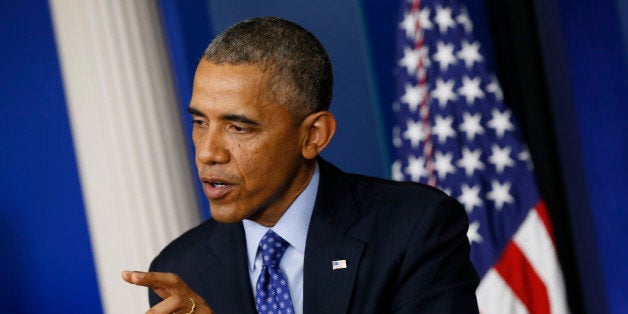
x=501, y=122
x=424, y=19
x=500, y=194
x=444, y=92
x=471, y=125
x=410, y=59
x=445, y=55
x=413, y=97
x=408, y=25
x=397, y=137
x=471, y=89
x=443, y=19
x=443, y=164
x=470, y=53
x=524, y=156
x=397, y=174
x=415, y=168
x=495, y=89
x=414, y=132
x=472, y=234
x=463, y=19
x=501, y=158
x=470, y=161
x=470, y=197
x=442, y=128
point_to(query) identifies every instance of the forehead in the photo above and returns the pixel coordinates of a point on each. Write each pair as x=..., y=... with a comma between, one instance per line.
x=224, y=90
x=227, y=77
x=228, y=85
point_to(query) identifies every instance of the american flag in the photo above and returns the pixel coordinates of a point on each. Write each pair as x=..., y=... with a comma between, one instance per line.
x=454, y=131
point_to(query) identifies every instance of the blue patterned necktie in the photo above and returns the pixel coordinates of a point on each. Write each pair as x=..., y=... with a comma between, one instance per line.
x=273, y=295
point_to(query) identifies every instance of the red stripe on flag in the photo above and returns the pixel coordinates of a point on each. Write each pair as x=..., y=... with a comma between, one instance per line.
x=541, y=209
x=523, y=280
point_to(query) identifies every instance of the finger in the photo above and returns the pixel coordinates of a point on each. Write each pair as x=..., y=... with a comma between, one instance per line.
x=152, y=279
x=127, y=275
x=174, y=303
x=164, y=284
x=169, y=287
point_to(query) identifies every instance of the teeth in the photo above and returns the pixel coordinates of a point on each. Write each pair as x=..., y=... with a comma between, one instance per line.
x=218, y=184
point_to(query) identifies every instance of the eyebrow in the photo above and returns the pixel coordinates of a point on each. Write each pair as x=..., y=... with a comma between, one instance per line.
x=195, y=112
x=238, y=118
x=229, y=117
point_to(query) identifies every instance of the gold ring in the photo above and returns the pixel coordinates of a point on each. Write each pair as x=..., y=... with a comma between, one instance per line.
x=193, y=306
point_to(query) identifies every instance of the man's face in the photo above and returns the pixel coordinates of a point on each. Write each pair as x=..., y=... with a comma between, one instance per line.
x=248, y=150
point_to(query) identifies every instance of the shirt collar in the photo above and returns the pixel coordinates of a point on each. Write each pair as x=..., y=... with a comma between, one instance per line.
x=292, y=226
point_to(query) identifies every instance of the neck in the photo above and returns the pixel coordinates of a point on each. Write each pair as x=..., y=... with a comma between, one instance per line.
x=269, y=216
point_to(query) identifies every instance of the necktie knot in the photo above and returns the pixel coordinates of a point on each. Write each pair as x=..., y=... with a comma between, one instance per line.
x=272, y=247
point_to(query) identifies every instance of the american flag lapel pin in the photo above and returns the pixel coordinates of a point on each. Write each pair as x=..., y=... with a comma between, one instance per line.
x=339, y=264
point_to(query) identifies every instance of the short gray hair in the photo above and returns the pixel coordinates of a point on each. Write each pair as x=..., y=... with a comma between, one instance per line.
x=300, y=72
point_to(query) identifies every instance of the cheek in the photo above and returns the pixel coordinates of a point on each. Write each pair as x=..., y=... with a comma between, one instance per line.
x=260, y=161
x=247, y=159
x=196, y=141
x=196, y=135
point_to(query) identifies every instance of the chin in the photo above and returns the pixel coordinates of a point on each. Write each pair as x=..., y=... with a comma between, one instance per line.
x=224, y=215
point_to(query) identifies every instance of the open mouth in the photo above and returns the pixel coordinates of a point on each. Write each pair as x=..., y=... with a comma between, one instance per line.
x=216, y=188
x=218, y=184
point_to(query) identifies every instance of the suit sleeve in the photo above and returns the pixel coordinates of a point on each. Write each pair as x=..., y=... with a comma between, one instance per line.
x=153, y=298
x=436, y=275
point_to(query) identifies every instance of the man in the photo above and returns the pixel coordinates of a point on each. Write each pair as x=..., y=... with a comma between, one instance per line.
x=291, y=233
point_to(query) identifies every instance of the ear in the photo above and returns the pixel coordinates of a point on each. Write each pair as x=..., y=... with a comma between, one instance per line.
x=317, y=129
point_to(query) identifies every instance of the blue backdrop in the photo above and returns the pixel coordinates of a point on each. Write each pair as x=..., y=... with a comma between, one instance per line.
x=46, y=259
x=595, y=45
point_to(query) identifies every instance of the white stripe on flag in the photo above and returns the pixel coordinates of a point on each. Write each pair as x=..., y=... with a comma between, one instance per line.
x=536, y=244
x=495, y=296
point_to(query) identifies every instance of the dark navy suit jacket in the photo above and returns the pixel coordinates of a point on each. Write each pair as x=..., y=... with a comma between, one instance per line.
x=405, y=245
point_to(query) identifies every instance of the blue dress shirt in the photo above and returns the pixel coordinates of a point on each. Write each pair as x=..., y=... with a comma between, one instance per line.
x=292, y=227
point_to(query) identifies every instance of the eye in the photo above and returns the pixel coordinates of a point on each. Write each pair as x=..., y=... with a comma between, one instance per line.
x=199, y=123
x=238, y=129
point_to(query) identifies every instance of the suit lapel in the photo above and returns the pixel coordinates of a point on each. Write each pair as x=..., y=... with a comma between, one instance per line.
x=227, y=272
x=327, y=290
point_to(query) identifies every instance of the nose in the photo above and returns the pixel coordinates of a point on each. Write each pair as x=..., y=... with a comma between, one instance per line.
x=211, y=147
